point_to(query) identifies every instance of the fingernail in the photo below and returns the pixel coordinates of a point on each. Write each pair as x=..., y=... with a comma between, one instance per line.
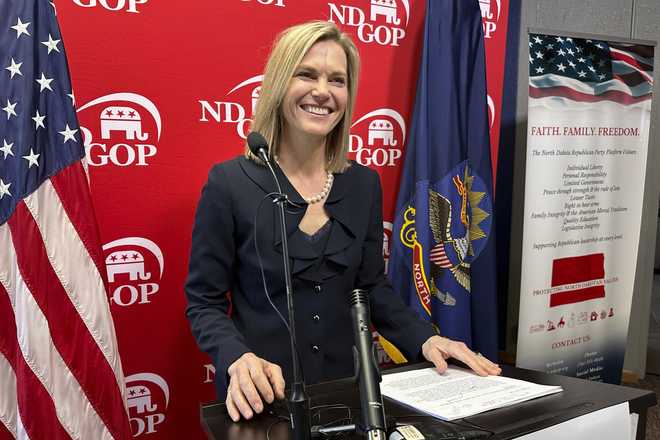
x=258, y=407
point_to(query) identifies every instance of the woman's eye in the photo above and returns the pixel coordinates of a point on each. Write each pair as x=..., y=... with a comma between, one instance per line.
x=304, y=74
x=340, y=81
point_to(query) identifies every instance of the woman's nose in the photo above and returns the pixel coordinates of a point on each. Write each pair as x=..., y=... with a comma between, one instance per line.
x=321, y=90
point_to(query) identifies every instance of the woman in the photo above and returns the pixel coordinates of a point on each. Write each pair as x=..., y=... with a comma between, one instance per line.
x=334, y=232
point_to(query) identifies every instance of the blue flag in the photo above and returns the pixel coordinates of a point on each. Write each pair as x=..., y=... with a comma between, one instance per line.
x=443, y=258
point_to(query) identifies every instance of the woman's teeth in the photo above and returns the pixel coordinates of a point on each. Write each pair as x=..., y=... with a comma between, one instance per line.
x=316, y=110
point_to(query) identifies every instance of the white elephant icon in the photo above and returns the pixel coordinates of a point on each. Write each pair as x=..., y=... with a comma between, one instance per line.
x=382, y=129
x=386, y=8
x=130, y=262
x=140, y=397
x=120, y=118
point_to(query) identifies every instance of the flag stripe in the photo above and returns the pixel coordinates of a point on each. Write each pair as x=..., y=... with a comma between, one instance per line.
x=71, y=186
x=632, y=59
x=640, y=50
x=8, y=410
x=5, y=433
x=76, y=272
x=567, y=92
x=620, y=67
x=632, y=79
x=53, y=318
x=22, y=433
x=552, y=80
x=36, y=414
x=576, y=296
x=439, y=257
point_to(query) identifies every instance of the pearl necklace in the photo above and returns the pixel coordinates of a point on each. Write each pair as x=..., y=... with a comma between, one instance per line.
x=327, y=186
x=323, y=193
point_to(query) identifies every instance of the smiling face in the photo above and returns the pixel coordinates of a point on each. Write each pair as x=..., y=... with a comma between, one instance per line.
x=316, y=98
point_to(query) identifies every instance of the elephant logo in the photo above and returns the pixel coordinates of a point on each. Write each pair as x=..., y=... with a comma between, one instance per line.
x=131, y=263
x=386, y=8
x=377, y=138
x=139, y=397
x=382, y=129
x=143, y=390
x=122, y=118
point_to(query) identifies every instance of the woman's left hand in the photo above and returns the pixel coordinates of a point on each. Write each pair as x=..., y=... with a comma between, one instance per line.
x=437, y=349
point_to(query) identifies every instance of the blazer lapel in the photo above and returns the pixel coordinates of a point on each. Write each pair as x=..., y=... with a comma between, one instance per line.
x=293, y=211
x=342, y=235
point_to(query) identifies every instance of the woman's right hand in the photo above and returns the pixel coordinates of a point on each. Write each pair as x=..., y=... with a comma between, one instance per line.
x=251, y=381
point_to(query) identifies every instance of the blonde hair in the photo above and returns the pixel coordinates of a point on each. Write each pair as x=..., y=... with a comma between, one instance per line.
x=289, y=49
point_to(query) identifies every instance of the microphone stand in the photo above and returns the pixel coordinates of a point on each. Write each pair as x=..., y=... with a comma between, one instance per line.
x=298, y=401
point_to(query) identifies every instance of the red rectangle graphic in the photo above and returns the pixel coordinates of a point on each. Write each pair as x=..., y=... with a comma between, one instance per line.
x=576, y=274
x=578, y=269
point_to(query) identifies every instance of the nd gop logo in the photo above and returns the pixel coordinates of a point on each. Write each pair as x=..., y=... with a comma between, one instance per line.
x=112, y=5
x=387, y=242
x=378, y=137
x=382, y=23
x=231, y=111
x=133, y=264
x=148, y=397
x=490, y=15
x=124, y=130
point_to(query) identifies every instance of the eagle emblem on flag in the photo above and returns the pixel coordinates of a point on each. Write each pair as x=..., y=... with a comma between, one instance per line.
x=457, y=226
x=470, y=216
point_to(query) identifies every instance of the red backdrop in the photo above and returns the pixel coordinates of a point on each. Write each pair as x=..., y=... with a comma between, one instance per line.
x=164, y=90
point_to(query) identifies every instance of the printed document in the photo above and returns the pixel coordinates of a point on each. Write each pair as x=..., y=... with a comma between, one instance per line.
x=458, y=393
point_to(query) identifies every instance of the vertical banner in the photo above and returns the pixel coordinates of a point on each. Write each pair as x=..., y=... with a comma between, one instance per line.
x=587, y=141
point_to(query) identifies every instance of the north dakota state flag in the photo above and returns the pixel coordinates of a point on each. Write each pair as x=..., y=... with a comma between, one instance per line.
x=443, y=257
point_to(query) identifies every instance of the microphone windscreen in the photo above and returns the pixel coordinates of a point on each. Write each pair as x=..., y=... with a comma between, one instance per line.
x=257, y=142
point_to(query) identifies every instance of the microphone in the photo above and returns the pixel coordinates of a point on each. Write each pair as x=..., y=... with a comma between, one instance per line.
x=298, y=401
x=258, y=146
x=366, y=368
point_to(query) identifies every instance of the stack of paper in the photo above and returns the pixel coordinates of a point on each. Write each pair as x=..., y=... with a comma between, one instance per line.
x=458, y=393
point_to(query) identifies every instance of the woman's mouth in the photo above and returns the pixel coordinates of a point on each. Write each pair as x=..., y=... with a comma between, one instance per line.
x=315, y=110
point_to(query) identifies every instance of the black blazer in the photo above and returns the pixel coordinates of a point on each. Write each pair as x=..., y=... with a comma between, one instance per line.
x=223, y=259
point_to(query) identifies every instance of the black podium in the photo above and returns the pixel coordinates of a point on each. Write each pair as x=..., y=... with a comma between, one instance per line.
x=578, y=398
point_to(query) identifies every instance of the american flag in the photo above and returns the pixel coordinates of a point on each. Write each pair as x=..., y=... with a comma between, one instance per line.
x=589, y=70
x=60, y=372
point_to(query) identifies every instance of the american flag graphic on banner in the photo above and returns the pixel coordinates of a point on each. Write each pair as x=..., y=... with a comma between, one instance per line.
x=586, y=70
x=60, y=372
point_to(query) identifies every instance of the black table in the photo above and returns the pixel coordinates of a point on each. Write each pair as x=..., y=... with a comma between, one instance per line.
x=578, y=398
